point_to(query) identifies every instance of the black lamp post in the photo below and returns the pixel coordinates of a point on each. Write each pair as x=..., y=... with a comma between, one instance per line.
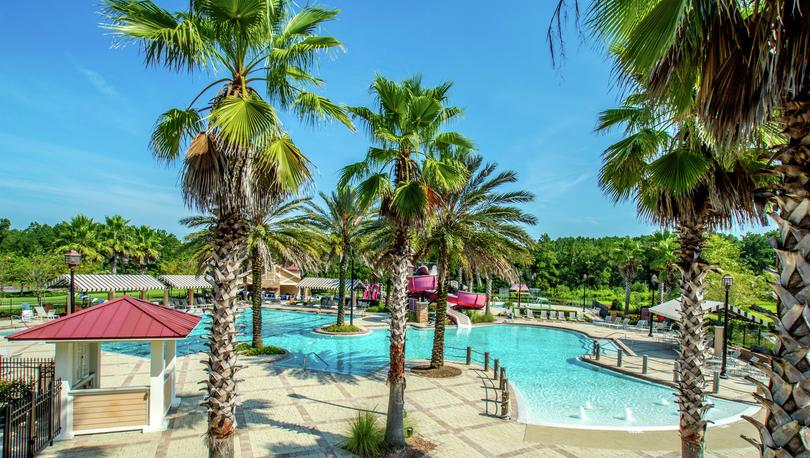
x=728, y=280
x=584, y=282
x=72, y=259
x=653, y=282
x=351, y=301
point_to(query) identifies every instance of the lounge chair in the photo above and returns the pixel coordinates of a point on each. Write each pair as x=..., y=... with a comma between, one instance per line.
x=641, y=325
x=41, y=314
x=530, y=314
x=572, y=316
x=544, y=315
x=560, y=316
x=580, y=317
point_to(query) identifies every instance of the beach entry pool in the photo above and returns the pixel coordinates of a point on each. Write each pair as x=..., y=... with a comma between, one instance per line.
x=554, y=387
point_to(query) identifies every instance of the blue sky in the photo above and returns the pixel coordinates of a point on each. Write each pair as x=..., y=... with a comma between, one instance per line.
x=77, y=113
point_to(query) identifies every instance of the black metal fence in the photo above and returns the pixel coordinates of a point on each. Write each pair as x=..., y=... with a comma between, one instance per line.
x=30, y=408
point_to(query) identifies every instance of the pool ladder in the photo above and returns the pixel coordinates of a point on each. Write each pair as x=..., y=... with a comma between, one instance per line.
x=312, y=353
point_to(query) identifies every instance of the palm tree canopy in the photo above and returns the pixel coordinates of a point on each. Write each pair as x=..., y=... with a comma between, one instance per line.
x=343, y=221
x=81, y=234
x=627, y=256
x=746, y=58
x=247, y=48
x=410, y=150
x=116, y=236
x=479, y=224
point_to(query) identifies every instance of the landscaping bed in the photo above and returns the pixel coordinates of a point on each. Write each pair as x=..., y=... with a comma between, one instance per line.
x=342, y=330
x=444, y=372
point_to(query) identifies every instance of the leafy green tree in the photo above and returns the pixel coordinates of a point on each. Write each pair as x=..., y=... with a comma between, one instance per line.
x=401, y=170
x=342, y=222
x=757, y=252
x=39, y=270
x=545, y=265
x=258, y=56
x=479, y=228
x=145, y=247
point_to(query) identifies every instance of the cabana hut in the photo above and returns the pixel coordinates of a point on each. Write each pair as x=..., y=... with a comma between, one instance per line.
x=188, y=282
x=110, y=284
x=88, y=406
x=309, y=284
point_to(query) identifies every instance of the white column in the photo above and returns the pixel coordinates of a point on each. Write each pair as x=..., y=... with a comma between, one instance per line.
x=63, y=359
x=94, y=353
x=156, y=373
x=171, y=369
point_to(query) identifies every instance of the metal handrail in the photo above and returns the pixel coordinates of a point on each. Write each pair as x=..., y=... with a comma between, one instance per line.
x=306, y=357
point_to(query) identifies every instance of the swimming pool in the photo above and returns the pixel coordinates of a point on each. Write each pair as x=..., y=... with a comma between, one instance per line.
x=554, y=387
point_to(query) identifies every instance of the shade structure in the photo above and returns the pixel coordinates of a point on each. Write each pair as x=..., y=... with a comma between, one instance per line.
x=87, y=283
x=672, y=309
x=125, y=318
x=519, y=287
x=185, y=281
x=327, y=283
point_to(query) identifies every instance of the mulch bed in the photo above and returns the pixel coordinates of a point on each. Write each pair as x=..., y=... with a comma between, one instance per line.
x=416, y=447
x=445, y=372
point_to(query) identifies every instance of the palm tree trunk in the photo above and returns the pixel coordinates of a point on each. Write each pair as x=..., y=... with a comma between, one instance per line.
x=489, y=292
x=221, y=364
x=114, y=264
x=661, y=289
x=341, y=314
x=785, y=399
x=437, y=357
x=257, y=268
x=460, y=277
x=626, y=296
x=387, y=290
x=394, y=434
x=691, y=395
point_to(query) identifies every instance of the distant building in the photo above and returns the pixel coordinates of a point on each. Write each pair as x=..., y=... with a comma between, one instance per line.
x=279, y=280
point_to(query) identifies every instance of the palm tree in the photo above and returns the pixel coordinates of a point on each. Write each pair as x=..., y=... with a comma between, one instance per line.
x=679, y=179
x=342, y=223
x=146, y=246
x=81, y=234
x=279, y=231
x=663, y=247
x=399, y=170
x=236, y=150
x=749, y=61
x=478, y=228
x=627, y=257
x=116, y=240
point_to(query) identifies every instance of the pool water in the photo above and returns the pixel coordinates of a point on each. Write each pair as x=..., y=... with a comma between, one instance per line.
x=554, y=387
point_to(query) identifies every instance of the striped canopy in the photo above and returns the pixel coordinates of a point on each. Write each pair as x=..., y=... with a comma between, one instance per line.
x=327, y=283
x=185, y=281
x=86, y=283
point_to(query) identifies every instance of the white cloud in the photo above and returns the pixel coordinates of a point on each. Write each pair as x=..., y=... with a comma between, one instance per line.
x=101, y=85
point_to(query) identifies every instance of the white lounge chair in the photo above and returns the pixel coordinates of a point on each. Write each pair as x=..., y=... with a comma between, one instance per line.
x=572, y=316
x=529, y=314
x=560, y=316
x=544, y=315
x=41, y=314
x=641, y=325
x=552, y=315
x=580, y=316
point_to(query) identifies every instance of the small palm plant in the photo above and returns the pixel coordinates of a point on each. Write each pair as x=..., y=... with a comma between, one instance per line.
x=479, y=228
x=400, y=170
x=234, y=150
x=342, y=223
x=627, y=256
x=366, y=436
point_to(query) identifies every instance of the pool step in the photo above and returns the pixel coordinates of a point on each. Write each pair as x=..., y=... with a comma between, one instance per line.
x=624, y=347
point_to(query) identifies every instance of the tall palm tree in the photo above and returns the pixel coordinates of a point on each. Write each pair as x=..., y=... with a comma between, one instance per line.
x=258, y=56
x=679, y=179
x=663, y=247
x=749, y=61
x=405, y=126
x=145, y=246
x=628, y=259
x=117, y=241
x=279, y=231
x=81, y=234
x=478, y=227
x=343, y=222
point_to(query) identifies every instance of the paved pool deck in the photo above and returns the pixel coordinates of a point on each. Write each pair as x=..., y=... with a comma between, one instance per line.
x=291, y=412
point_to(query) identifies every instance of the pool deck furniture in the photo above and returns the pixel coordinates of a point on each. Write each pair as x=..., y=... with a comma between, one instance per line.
x=87, y=406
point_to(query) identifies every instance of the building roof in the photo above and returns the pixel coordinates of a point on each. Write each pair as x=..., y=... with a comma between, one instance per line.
x=125, y=318
x=327, y=283
x=522, y=287
x=185, y=281
x=672, y=309
x=109, y=282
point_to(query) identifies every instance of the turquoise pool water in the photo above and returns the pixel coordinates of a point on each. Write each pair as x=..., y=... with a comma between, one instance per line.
x=554, y=386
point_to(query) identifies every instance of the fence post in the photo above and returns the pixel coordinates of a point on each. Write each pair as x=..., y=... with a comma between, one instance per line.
x=469, y=355
x=716, y=382
x=619, y=358
x=598, y=350
x=7, y=431
x=51, y=399
x=644, y=364
x=505, y=399
x=495, y=368
x=32, y=424
x=503, y=378
x=486, y=361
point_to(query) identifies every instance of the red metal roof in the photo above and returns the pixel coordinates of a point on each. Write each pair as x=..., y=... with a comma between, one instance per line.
x=119, y=319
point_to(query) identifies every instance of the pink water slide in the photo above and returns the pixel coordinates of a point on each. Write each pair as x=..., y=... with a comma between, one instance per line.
x=425, y=285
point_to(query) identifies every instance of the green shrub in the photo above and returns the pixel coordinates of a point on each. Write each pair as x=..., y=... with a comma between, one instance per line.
x=366, y=436
x=508, y=303
x=482, y=317
x=341, y=328
x=249, y=350
x=377, y=308
x=13, y=389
